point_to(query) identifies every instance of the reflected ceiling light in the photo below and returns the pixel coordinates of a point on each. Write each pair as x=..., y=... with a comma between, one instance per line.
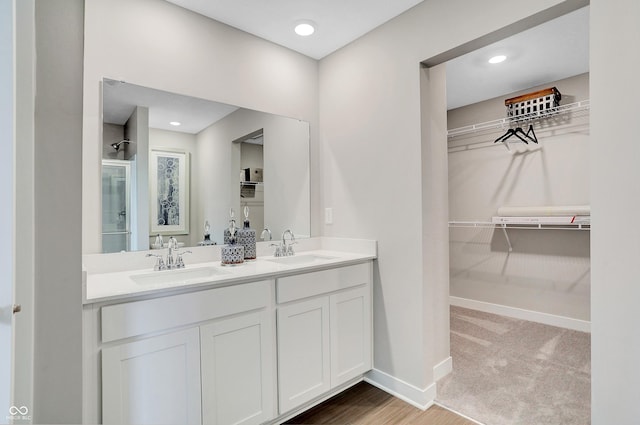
x=175, y=123
x=305, y=28
x=498, y=59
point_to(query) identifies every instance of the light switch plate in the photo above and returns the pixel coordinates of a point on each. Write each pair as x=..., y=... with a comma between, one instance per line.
x=328, y=216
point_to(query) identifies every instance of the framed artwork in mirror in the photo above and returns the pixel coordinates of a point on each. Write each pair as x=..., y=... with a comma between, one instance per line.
x=169, y=191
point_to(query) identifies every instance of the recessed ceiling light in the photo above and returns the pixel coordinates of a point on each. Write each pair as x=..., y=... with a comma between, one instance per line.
x=498, y=59
x=175, y=123
x=305, y=28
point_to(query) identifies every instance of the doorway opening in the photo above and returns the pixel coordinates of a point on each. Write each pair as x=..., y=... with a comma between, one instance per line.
x=507, y=281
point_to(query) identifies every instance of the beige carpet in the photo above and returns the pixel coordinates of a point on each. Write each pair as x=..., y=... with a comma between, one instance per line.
x=508, y=371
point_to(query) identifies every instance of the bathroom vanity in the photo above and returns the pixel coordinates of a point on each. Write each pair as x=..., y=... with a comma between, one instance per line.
x=251, y=344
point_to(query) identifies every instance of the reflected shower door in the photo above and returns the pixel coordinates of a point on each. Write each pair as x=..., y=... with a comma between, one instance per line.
x=116, y=206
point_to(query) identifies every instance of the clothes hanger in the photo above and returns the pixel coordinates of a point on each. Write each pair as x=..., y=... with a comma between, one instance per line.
x=511, y=132
x=529, y=135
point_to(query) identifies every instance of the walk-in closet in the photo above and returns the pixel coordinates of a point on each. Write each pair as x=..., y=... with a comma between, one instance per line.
x=519, y=229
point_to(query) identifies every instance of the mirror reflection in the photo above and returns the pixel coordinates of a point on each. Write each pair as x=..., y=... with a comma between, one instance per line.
x=172, y=164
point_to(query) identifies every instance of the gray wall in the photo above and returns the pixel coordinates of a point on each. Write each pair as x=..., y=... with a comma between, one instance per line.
x=615, y=193
x=57, y=386
x=548, y=271
x=7, y=220
x=24, y=201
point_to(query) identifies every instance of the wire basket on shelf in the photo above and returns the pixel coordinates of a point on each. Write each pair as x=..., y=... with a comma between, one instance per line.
x=533, y=105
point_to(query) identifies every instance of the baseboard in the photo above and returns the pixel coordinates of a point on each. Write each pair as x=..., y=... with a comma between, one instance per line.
x=518, y=313
x=420, y=398
x=458, y=413
x=442, y=369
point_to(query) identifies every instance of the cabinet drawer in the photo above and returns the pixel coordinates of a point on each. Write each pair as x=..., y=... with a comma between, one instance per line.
x=142, y=317
x=309, y=284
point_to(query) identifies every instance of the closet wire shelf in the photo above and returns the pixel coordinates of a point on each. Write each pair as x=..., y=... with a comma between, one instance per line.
x=502, y=123
x=584, y=224
x=524, y=226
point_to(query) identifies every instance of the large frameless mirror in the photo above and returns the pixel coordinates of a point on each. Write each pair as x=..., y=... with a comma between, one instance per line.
x=173, y=163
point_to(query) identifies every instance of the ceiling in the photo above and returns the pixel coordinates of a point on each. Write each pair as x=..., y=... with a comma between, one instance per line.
x=549, y=52
x=194, y=115
x=338, y=22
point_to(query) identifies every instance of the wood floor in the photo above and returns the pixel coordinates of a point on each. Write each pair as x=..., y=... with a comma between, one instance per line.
x=365, y=404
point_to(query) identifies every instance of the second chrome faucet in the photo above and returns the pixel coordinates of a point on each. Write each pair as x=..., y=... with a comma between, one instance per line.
x=174, y=257
x=285, y=249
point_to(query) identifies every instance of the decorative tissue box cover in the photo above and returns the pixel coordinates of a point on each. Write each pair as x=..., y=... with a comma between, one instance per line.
x=232, y=254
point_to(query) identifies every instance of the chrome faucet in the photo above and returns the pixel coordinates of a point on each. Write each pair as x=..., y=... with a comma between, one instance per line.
x=159, y=263
x=287, y=249
x=172, y=246
x=179, y=260
x=283, y=249
x=265, y=232
x=174, y=257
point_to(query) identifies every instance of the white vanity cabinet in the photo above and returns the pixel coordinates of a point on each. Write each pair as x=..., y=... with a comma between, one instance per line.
x=153, y=381
x=253, y=345
x=324, y=331
x=303, y=352
x=238, y=370
x=204, y=357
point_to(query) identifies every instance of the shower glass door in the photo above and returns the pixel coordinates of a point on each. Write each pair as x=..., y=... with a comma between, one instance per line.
x=116, y=205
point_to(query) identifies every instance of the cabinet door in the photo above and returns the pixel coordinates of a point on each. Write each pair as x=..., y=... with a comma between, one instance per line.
x=153, y=381
x=303, y=352
x=350, y=334
x=238, y=370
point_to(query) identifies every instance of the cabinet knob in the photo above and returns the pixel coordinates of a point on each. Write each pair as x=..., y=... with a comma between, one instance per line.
x=17, y=308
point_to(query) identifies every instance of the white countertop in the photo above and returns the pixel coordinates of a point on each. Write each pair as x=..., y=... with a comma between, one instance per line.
x=113, y=276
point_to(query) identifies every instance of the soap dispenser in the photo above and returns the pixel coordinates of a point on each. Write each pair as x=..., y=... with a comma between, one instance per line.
x=232, y=253
x=207, y=235
x=247, y=237
x=227, y=234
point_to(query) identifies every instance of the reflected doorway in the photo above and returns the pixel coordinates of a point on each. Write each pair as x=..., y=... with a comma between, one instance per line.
x=251, y=179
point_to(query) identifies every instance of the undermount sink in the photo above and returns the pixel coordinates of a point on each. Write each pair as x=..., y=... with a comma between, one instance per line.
x=303, y=259
x=177, y=276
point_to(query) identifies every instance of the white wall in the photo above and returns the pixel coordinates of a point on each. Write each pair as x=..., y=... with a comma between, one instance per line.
x=371, y=165
x=548, y=271
x=615, y=195
x=183, y=52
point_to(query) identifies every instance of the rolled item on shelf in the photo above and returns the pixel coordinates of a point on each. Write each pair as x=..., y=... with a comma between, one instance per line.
x=545, y=211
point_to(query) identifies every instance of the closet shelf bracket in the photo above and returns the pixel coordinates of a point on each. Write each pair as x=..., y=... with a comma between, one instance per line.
x=506, y=236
